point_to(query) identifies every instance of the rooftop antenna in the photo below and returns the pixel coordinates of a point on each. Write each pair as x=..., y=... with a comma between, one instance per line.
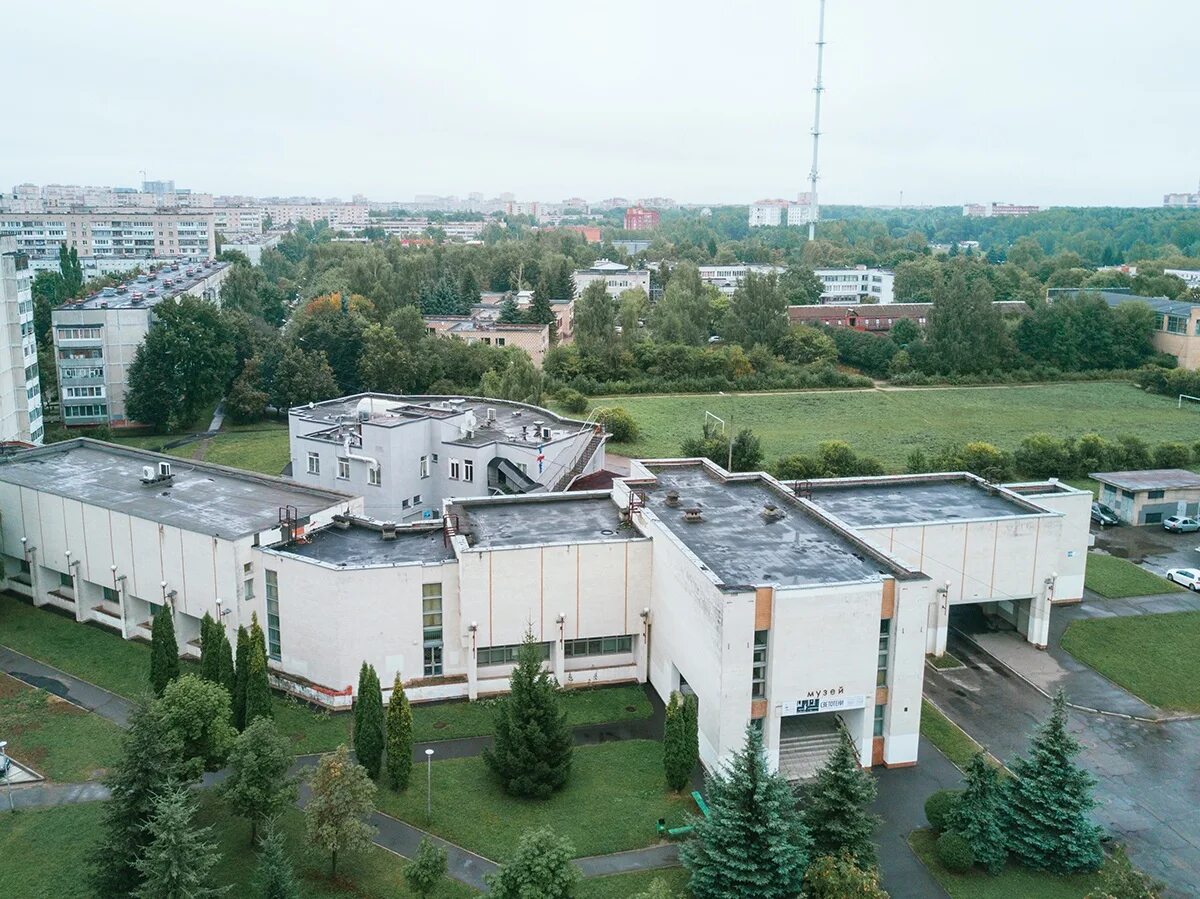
x=816, y=129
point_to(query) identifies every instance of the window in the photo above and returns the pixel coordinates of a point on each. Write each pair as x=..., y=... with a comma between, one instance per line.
x=343, y=469
x=314, y=463
x=506, y=655
x=885, y=639
x=417, y=500
x=758, y=683
x=598, y=646
x=423, y=468
x=93, y=410
x=434, y=458
x=500, y=341
x=468, y=470
x=1154, y=494
x=273, y=648
x=110, y=595
x=375, y=476
x=404, y=504
x=431, y=623
x=77, y=333
x=155, y=608
x=455, y=469
x=1175, y=324
x=65, y=580
x=879, y=710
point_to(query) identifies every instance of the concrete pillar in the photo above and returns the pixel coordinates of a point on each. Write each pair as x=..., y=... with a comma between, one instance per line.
x=35, y=578
x=472, y=665
x=641, y=649
x=558, y=654
x=73, y=569
x=939, y=623
x=771, y=727
x=123, y=602
x=1039, y=615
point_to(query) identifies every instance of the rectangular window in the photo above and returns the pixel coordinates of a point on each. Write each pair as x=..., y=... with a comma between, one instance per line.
x=431, y=624
x=434, y=457
x=455, y=469
x=374, y=476
x=273, y=647
x=506, y=655
x=885, y=639
x=343, y=469
x=879, y=710
x=1155, y=494
x=314, y=463
x=417, y=500
x=110, y=595
x=598, y=646
x=468, y=470
x=758, y=689
x=423, y=467
x=65, y=580
x=404, y=504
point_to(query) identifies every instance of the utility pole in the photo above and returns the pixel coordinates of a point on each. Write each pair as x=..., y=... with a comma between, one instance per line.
x=814, y=209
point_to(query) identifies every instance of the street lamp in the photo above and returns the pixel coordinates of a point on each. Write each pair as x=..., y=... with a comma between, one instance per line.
x=428, y=786
x=5, y=764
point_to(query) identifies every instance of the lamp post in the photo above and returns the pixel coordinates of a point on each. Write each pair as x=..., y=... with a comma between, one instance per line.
x=428, y=786
x=5, y=764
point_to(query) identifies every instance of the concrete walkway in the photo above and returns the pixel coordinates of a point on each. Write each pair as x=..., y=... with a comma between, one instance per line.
x=46, y=677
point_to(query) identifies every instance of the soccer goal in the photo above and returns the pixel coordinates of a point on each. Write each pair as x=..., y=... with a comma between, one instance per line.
x=1191, y=399
x=709, y=417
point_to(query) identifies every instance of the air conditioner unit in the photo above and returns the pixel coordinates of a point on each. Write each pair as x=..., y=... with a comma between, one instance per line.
x=491, y=414
x=147, y=472
x=545, y=433
x=164, y=469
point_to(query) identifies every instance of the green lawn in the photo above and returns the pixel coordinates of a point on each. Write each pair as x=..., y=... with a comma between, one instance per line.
x=58, y=740
x=622, y=886
x=947, y=736
x=889, y=424
x=1119, y=578
x=944, y=661
x=614, y=797
x=264, y=451
x=1013, y=882
x=1152, y=656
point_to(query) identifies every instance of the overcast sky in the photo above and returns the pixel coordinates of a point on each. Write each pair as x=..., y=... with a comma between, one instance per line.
x=1083, y=102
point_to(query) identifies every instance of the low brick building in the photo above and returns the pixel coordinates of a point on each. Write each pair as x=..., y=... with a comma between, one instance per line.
x=878, y=317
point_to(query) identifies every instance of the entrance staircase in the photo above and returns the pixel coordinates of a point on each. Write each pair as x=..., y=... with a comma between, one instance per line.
x=801, y=755
x=580, y=464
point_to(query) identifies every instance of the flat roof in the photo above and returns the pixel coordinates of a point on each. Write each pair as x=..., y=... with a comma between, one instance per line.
x=541, y=519
x=357, y=546
x=108, y=298
x=917, y=501
x=205, y=498
x=1149, y=479
x=742, y=547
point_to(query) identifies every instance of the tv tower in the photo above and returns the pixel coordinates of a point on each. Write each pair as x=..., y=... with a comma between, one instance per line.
x=814, y=209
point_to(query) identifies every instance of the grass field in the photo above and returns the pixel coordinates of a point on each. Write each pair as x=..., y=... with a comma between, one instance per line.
x=56, y=739
x=1152, y=656
x=614, y=797
x=888, y=424
x=1012, y=883
x=1119, y=578
x=262, y=447
x=622, y=886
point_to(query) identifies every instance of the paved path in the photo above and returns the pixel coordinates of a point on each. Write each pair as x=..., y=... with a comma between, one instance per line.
x=901, y=804
x=218, y=417
x=38, y=674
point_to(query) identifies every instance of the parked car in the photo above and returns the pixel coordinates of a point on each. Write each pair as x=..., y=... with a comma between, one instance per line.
x=1102, y=514
x=1177, y=524
x=1185, y=577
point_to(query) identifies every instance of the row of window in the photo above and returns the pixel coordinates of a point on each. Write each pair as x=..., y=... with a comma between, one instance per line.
x=78, y=333
x=91, y=352
x=75, y=374
x=274, y=648
x=572, y=649
x=462, y=471
x=91, y=410
x=76, y=393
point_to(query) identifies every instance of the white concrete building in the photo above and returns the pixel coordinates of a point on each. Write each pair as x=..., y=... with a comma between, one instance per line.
x=406, y=454
x=20, y=384
x=793, y=213
x=617, y=278
x=988, y=210
x=726, y=278
x=95, y=339
x=341, y=216
x=234, y=222
x=1189, y=276
x=252, y=246
x=857, y=285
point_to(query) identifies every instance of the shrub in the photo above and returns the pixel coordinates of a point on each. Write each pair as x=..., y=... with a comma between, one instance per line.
x=572, y=400
x=955, y=853
x=619, y=423
x=938, y=807
x=1172, y=455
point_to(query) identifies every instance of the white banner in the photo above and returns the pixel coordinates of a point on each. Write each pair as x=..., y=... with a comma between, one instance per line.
x=829, y=702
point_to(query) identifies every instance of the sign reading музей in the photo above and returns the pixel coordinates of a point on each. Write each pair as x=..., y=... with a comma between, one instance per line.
x=833, y=700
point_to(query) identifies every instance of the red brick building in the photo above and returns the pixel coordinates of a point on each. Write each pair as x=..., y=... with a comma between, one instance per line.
x=878, y=316
x=639, y=219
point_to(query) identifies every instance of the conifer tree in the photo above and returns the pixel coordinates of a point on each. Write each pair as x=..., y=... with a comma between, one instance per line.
x=336, y=815
x=836, y=807
x=151, y=759
x=209, y=660
x=679, y=757
x=427, y=869
x=540, y=867
x=977, y=814
x=164, y=651
x=241, y=677
x=178, y=862
x=368, y=721
x=1048, y=800
x=258, y=688
x=225, y=673
x=754, y=842
x=275, y=877
x=399, y=737
x=531, y=754
x=258, y=786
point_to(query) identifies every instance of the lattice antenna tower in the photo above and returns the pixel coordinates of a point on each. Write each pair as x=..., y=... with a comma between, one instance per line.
x=818, y=89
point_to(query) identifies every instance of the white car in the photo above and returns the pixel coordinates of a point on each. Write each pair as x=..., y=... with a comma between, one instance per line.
x=1185, y=577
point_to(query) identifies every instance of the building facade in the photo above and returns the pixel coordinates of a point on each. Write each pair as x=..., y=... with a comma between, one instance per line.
x=793, y=213
x=483, y=326
x=20, y=382
x=987, y=210
x=873, y=317
x=340, y=216
x=1182, y=200
x=1176, y=324
x=638, y=218
x=617, y=278
x=857, y=285
x=1147, y=497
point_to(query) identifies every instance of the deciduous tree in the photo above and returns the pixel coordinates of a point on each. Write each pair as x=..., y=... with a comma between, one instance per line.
x=258, y=786
x=540, y=867
x=428, y=867
x=840, y=877
x=343, y=796
x=198, y=711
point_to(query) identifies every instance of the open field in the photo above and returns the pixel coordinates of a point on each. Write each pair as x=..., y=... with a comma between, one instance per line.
x=889, y=424
x=1011, y=883
x=615, y=794
x=1119, y=578
x=1152, y=656
x=261, y=447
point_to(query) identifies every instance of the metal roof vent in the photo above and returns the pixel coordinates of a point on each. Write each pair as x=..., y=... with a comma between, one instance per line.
x=694, y=514
x=388, y=530
x=672, y=498
x=771, y=512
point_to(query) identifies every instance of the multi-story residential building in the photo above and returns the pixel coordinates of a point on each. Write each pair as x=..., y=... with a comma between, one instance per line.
x=54, y=197
x=617, y=278
x=20, y=385
x=95, y=339
x=856, y=285
x=252, y=245
x=232, y=222
x=341, y=216
x=637, y=218
x=657, y=203
x=770, y=213
x=1184, y=200
x=987, y=210
x=469, y=230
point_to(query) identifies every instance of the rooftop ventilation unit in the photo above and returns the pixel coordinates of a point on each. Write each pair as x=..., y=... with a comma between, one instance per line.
x=672, y=498
x=491, y=414
x=152, y=478
x=693, y=515
x=772, y=512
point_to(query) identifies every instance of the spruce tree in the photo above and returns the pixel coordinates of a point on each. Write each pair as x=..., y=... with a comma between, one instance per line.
x=209, y=660
x=977, y=814
x=275, y=878
x=164, y=651
x=531, y=754
x=241, y=677
x=540, y=867
x=258, y=786
x=258, y=688
x=178, y=862
x=151, y=759
x=836, y=807
x=225, y=673
x=754, y=842
x=368, y=721
x=1048, y=800
x=399, y=737
x=427, y=869
x=678, y=759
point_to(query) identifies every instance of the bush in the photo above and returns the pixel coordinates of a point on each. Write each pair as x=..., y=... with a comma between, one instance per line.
x=1172, y=455
x=572, y=400
x=938, y=807
x=619, y=423
x=955, y=853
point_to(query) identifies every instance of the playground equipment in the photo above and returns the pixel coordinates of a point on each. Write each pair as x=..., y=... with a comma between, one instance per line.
x=684, y=829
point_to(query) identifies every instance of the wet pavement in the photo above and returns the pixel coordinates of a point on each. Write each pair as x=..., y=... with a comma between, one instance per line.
x=45, y=677
x=1149, y=546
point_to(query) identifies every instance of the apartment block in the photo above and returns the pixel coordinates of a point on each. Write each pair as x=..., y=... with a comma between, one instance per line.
x=20, y=385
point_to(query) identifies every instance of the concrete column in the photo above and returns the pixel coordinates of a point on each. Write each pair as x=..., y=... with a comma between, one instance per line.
x=472, y=665
x=122, y=601
x=939, y=623
x=641, y=649
x=1039, y=616
x=73, y=568
x=558, y=656
x=771, y=726
x=35, y=578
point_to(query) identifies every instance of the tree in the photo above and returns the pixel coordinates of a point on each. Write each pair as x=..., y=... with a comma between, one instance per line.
x=509, y=313
x=246, y=401
x=757, y=313
x=753, y=843
x=806, y=345
x=210, y=663
x=904, y=332
x=680, y=751
x=399, y=737
x=275, y=878
x=965, y=334
x=198, y=712
x=540, y=867
x=258, y=786
x=368, y=721
x=258, y=686
x=70, y=270
x=178, y=862
x=150, y=760
x=386, y=365
x=839, y=877
x=342, y=799
x=302, y=377
x=336, y=331
x=658, y=889
x=1048, y=799
x=595, y=322
x=836, y=807
x=631, y=312
x=241, y=678
x=164, y=651
x=532, y=750
x=684, y=312
x=1119, y=879
x=801, y=286
x=977, y=814
x=427, y=869
x=744, y=453
x=225, y=673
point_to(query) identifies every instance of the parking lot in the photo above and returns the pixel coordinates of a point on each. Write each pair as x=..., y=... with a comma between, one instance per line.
x=1150, y=546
